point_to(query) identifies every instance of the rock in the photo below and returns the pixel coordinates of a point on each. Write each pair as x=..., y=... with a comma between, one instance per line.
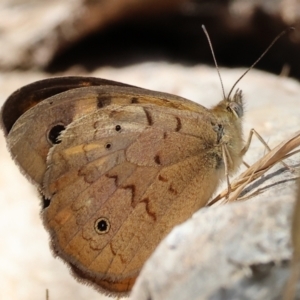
x=235, y=251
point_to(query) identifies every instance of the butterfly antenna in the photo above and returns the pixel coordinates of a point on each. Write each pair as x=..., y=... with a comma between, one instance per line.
x=261, y=56
x=213, y=55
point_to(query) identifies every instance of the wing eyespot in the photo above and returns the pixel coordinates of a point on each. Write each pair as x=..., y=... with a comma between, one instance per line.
x=102, y=225
x=54, y=133
x=108, y=146
x=118, y=128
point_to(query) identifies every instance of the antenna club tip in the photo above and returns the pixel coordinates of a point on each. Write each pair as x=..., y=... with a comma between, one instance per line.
x=204, y=30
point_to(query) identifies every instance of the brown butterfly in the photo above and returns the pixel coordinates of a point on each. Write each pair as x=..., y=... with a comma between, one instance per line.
x=118, y=167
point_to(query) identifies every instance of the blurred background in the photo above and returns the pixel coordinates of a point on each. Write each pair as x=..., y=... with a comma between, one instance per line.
x=149, y=43
x=57, y=35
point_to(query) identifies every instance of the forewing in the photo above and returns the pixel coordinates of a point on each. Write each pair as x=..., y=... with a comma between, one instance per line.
x=30, y=95
x=31, y=135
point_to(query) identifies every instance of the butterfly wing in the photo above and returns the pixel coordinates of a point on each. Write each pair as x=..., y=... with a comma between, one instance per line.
x=30, y=95
x=121, y=179
x=36, y=130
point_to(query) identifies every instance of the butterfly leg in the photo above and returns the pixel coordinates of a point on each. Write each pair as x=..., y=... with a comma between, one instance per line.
x=226, y=157
x=247, y=145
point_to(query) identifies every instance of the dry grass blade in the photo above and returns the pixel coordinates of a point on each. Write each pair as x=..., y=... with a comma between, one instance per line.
x=290, y=289
x=280, y=152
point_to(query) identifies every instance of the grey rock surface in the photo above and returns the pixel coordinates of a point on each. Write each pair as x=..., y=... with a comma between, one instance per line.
x=235, y=251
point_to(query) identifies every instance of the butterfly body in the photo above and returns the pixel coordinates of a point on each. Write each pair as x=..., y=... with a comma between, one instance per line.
x=125, y=166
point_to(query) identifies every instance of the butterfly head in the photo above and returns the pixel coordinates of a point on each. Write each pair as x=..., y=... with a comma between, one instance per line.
x=229, y=113
x=230, y=109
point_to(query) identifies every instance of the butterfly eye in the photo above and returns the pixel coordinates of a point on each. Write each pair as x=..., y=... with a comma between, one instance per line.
x=236, y=109
x=54, y=133
x=102, y=225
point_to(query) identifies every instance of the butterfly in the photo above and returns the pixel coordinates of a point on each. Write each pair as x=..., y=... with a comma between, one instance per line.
x=117, y=167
